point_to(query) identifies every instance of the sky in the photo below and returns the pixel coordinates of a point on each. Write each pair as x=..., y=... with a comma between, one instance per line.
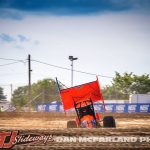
x=105, y=35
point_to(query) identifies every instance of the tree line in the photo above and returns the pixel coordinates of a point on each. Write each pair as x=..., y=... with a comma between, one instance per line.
x=126, y=84
x=46, y=90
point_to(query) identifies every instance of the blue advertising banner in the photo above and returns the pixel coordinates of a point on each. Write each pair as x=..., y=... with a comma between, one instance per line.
x=111, y=107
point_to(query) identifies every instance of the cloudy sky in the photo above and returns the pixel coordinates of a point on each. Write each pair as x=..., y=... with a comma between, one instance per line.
x=105, y=35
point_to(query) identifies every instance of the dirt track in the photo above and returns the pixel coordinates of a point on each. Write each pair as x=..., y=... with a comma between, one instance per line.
x=128, y=125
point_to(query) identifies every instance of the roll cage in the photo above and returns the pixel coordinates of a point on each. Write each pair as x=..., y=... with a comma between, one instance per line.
x=84, y=108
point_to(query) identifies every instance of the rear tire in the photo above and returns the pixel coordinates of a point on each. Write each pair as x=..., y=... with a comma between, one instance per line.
x=109, y=122
x=71, y=124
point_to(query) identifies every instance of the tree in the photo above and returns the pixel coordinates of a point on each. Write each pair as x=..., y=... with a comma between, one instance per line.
x=47, y=91
x=2, y=96
x=43, y=91
x=111, y=92
x=20, y=96
x=123, y=83
x=141, y=84
x=126, y=84
x=130, y=83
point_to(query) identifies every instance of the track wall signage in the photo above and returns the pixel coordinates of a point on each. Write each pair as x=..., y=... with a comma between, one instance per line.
x=111, y=107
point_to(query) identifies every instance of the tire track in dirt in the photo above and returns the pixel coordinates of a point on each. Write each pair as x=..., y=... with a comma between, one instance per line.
x=128, y=125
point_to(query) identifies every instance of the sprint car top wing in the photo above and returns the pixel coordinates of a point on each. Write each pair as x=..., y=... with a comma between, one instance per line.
x=81, y=93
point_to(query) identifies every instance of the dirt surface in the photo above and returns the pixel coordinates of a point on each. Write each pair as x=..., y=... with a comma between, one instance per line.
x=128, y=125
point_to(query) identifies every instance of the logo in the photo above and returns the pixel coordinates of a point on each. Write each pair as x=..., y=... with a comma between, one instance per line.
x=8, y=139
x=120, y=108
x=132, y=108
x=109, y=108
x=41, y=107
x=53, y=107
x=144, y=108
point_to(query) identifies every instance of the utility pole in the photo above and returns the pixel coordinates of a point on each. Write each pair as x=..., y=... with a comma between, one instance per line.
x=29, y=77
x=71, y=58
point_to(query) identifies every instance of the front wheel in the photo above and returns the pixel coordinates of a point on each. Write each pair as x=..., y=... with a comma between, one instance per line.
x=71, y=124
x=109, y=122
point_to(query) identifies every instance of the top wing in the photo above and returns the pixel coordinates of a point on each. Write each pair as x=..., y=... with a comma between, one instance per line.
x=82, y=92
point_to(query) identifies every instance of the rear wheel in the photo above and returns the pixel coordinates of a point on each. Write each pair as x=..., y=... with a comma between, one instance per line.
x=71, y=124
x=109, y=122
x=98, y=125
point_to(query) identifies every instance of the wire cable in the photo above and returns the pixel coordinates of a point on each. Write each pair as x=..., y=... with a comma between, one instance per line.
x=15, y=61
x=70, y=69
x=60, y=67
x=12, y=59
x=9, y=64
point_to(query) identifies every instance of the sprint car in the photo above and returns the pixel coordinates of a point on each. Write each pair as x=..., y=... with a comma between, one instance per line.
x=81, y=98
x=87, y=118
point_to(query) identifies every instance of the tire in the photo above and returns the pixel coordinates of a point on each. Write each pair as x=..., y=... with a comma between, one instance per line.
x=98, y=125
x=71, y=124
x=109, y=122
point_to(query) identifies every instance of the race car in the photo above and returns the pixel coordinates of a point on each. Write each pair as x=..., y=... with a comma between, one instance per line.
x=81, y=98
x=87, y=118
